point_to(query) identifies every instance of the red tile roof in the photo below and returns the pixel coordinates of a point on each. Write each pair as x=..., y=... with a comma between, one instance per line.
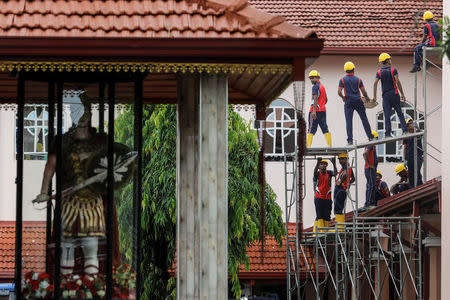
x=156, y=18
x=349, y=23
x=33, y=247
x=273, y=264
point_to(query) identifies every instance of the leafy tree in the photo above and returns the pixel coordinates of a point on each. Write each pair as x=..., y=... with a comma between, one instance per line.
x=159, y=198
x=445, y=32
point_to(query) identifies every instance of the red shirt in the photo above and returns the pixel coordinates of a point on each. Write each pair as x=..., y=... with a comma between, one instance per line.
x=319, y=90
x=344, y=183
x=323, y=184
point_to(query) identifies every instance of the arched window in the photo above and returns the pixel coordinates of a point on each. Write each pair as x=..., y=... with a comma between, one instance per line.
x=281, y=128
x=393, y=152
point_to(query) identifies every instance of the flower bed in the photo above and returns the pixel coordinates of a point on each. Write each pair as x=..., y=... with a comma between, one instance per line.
x=73, y=286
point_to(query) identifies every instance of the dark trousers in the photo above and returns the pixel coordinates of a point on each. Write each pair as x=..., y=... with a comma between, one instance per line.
x=323, y=209
x=340, y=195
x=391, y=100
x=321, y=120
x=350, y=106
x=370, y=186
x=410, y=163
x=400, y=188
x=418, y=53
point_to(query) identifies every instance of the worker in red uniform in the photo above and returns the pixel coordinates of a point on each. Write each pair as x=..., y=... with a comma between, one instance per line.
x=431, y=36
x=322, y=196
x=390, y=86
x=351, y=86
x=408, y=154
x=370, y=156
x=382, y=189
x=403, y=183
x=318, y=111
x=344, y=178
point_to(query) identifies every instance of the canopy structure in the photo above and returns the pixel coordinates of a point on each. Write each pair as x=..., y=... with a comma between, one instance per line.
x=200, y=54
x=261, y=53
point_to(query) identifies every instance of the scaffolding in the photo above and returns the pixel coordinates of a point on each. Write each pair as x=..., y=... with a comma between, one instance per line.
x=366, y=257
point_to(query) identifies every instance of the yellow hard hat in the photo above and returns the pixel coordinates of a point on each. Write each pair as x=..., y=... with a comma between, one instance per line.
x=383, y=57
x=428, y=15
x=399, y=168
x=314, y=73
x=349, y=66
x=379, y=173
x=409, y=120
x=375, y=134
x=341, y=155
x=324, y=161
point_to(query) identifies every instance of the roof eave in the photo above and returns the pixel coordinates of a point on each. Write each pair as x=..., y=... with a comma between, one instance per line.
x=218, y=49
x=366, y=51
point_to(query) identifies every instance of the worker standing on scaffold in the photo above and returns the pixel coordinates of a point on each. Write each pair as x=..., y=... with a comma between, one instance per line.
x=318, y=111
x=370, y=156
x=344, y=178
x=431, y=36
x=322, y=195
x=351, y=85
x=408, y=154
x=390, y=86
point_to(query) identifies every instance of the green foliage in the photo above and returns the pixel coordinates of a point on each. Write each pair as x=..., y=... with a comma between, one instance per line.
x=159, y=198
x=445, y=33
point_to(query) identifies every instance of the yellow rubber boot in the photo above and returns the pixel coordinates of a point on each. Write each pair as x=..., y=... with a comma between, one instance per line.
x=328, y=138
x=321, y=224
x=316, y=223
x=309, y=140
x=340, y=219
x=326, y=224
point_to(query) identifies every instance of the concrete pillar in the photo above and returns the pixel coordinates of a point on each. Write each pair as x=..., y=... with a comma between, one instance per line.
x=202, y=200
x=434, y=255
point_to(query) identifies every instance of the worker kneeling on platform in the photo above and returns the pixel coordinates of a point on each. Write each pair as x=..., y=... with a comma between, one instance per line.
x=431, y=36
x=382, y=189
x=344, y=178
x=408, y=154
x=403, y=184
x=390, y=86
x=351, y=86
x=318, y=111
x=322, y=196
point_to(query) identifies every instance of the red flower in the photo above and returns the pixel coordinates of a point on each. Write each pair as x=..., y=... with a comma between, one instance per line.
x=43, y=276
x=34, y=284
x=50, y=287
x=28, y=275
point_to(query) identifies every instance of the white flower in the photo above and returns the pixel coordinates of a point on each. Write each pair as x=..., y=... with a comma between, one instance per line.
x=101, y=293
x=76, y=277
x=35, y=276
x=90, y=278
x=79, y=282
x=44, y=284
x=89, y=295
x=72, y=293
x=65, y=294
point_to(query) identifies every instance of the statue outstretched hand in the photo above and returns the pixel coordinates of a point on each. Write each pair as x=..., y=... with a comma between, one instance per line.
x=41, y=198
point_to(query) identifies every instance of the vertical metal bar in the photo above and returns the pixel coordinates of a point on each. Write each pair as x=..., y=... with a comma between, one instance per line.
x=355, y=275
x=316, y=240
x=420, y=281
x=424, y=91
x=400, y=261
x=110, y=196
x=415, y=120
x=101, y=108
x=59, y=179
x=19, y=185
x=51, y=133
x=287, y=210
x=137, y=183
